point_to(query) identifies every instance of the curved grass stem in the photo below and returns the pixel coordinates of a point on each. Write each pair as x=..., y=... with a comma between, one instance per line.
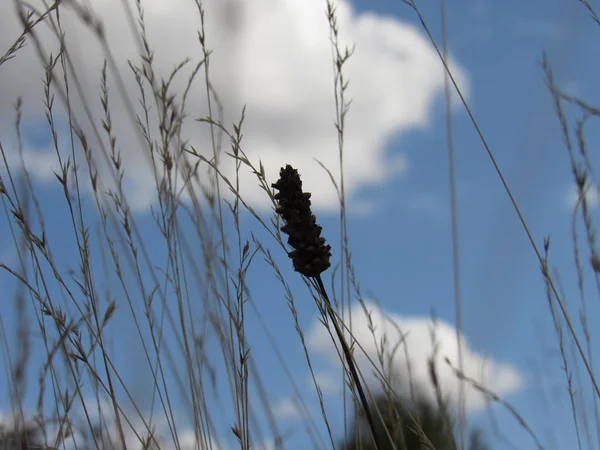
x=349, y=361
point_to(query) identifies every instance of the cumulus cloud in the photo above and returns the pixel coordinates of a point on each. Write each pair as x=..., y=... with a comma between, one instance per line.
x=273, y=57
x=402, y=336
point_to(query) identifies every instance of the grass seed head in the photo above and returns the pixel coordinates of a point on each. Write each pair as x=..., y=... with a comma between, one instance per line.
x=310, y=255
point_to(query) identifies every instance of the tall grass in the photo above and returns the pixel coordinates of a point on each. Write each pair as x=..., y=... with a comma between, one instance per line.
x=89, y=276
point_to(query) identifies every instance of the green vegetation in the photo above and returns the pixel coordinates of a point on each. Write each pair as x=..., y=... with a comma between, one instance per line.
x=403, y=424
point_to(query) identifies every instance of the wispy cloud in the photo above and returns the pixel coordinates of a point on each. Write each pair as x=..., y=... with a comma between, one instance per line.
x=539, y=27
x=591, y=196
x=287, y=408
x=327, y=383
x=187, y=439
x=429, y=204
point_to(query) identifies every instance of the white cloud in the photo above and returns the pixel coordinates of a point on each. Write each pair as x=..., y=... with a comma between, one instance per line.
x=327, y=383
x=500, y=378
x=186, y=439
x=274, y=57
x=591, y=195
x=287, y=408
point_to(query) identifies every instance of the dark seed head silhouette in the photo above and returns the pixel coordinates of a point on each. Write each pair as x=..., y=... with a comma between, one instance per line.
x=310, y=255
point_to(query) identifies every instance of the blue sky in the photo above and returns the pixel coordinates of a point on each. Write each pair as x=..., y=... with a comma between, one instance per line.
x=397, y=182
